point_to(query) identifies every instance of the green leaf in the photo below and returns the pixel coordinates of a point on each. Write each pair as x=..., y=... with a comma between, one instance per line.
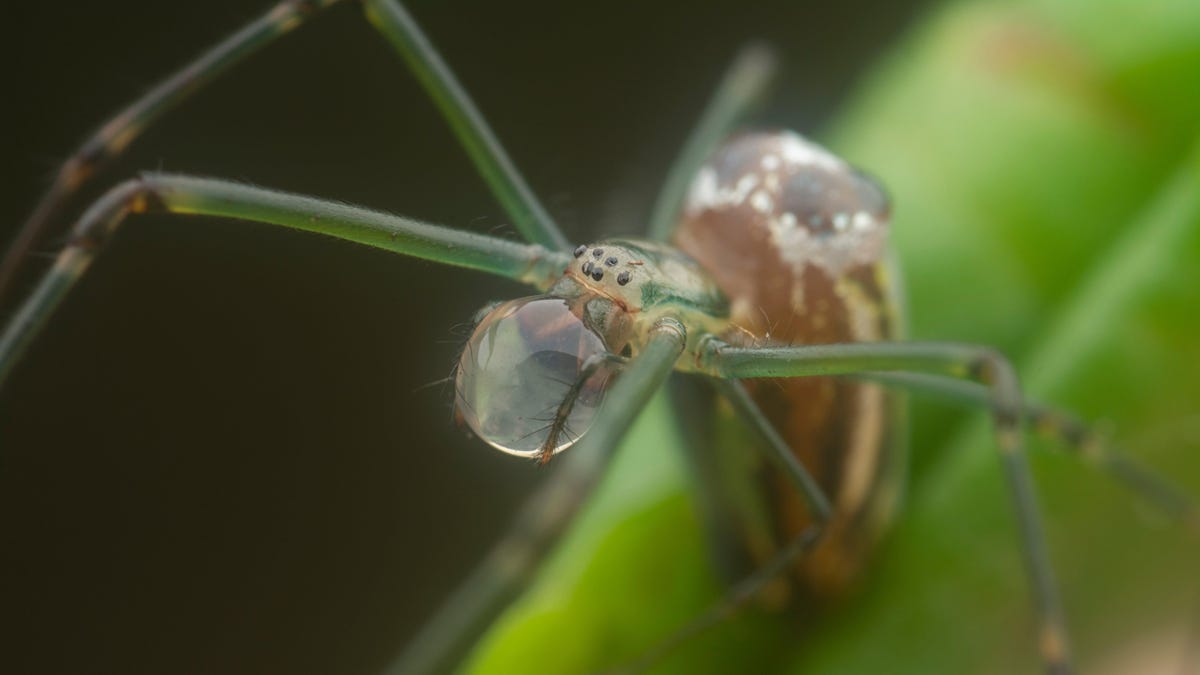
x=1043, y=162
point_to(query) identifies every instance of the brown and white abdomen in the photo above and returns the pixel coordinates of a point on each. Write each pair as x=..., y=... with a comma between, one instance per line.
x=796, y=239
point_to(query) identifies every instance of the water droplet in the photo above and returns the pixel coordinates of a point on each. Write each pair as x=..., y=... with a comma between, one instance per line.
x=518, y=367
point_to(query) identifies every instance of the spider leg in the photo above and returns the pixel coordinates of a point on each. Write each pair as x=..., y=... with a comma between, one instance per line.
x=393, y=21
x=506, y=570
x=743, y=86
x=529, y=263
x=744, y=591
x=1072, y=434
x=529, y=216
x=945, y=359
x=1059, y=426
x=113, y=136
x=512, y=563
x=777, y=449
x=563, y=412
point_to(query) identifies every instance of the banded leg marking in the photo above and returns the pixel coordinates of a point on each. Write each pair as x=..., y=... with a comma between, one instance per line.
x=528, y=263
x=391, y=19
x=1072, y=434
x=112, y=137
x=947, y=359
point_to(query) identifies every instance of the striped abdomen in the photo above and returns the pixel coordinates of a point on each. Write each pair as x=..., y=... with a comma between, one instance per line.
x=796, y=239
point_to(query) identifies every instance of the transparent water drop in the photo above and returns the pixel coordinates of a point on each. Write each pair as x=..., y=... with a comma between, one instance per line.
x=519, y=366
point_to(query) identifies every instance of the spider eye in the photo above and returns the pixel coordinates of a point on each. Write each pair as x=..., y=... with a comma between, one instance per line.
x=520, y=364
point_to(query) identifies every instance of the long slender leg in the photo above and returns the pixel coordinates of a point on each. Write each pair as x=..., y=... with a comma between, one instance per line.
x=1057, y=425
x=778, y=450
x=390, y=18
x=954, y=360
x=736, y=598
x=528, y=215
x=529, y=263
x=1072, y=434
x=115, y=135
x=511, y=564
x=506, y=570
x=741, y=88
x=558, y=425
x=743, y=592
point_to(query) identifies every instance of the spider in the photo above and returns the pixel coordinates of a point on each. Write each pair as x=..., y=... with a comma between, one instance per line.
x=461, y=313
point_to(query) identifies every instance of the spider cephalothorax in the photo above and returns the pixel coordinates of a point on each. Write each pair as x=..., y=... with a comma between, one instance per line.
x=532, y=375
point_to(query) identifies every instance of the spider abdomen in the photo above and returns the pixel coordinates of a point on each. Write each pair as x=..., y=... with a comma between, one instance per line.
x=796, y=239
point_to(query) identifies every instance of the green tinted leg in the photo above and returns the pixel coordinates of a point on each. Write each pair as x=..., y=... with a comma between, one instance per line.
x=734, y=600
x=115, y=135
x=505, y=572
x=952, y=360
x=528, y=263
x=742, y=593
x=111, y=139
x=742, y=86
x=558, y=422
x=1072, y=434
x=777, y=449
x=506, y=182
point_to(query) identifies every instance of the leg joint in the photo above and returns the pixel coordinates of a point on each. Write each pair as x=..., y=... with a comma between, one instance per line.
x=98, y=222
x=994, y=370
x=989, y=366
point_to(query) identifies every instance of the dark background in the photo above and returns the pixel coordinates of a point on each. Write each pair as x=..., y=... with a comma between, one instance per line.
x=221, y=455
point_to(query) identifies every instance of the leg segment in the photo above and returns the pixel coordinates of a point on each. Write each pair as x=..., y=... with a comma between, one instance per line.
x=111, y=139
x=528, y=263
x=397, y=26
x=507, y=569
x=1072, y=434
x=528, y=215
x=947, y=359
x=743, y=86
x=742, y=593
x=777, y=448
x=510, y=566
x=734, y=600
x=558, y=425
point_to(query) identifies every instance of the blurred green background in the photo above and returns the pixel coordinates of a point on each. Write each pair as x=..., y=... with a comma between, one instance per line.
x=221, y=457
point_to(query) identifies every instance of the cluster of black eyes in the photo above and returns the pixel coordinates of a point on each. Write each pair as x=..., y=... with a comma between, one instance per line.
x=596, y=269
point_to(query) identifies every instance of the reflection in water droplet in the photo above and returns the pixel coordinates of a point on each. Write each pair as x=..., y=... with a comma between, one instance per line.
x=517, y=368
